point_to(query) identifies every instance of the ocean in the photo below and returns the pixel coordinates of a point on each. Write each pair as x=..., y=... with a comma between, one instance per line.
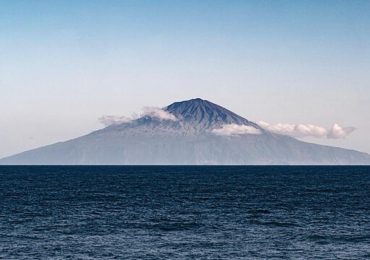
x=184, y=212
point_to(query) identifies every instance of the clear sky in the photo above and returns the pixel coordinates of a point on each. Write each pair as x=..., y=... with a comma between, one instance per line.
x=64, y=64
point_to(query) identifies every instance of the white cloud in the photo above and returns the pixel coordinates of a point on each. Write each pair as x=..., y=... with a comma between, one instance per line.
x=158, y=113
x=154, y=112
x=339, y=132
x=114, y=120
x=308, y=130
x=294, y=130
x=234, y=129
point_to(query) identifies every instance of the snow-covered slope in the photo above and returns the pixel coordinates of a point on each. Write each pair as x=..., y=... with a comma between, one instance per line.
x=188, y=137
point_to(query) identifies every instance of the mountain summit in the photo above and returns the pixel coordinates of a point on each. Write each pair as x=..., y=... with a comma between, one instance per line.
x=205, y=115
x=190, y=132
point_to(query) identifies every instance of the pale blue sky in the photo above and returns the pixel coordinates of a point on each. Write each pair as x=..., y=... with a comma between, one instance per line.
x=63, y=64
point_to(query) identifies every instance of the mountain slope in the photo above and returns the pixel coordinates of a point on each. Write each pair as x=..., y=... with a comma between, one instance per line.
x=187, y=139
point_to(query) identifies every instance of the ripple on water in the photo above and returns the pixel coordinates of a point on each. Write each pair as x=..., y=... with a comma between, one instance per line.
x=184, y=212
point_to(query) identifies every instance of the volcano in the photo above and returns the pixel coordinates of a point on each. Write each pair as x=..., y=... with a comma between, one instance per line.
x=193, y=132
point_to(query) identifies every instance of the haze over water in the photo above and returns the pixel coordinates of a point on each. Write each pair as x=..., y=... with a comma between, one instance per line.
x=184, y=212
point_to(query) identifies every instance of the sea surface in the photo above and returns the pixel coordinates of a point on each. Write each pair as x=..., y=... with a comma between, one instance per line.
x=184, y=212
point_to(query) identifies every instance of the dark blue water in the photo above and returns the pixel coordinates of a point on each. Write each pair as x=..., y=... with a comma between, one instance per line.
x=184, y=212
